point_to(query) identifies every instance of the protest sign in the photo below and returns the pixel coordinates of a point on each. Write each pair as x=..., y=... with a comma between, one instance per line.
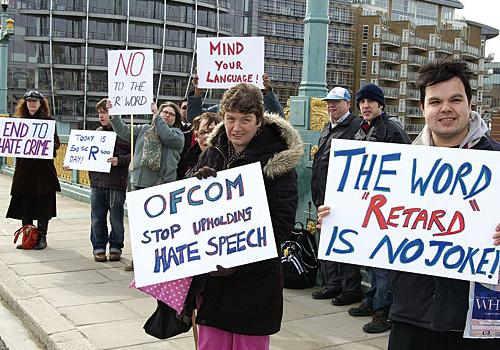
x=27, y=138
x=413, y=208
x=483, y=317
x=188, y=227
x=225, y=62
x=130, y=81
x=90, y=150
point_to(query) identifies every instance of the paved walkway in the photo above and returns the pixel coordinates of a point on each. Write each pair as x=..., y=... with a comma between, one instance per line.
x=71, y=302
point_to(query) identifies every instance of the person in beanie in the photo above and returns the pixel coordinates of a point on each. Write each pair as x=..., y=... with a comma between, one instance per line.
x=377, y=127
x=35, y=183
x=342, y=282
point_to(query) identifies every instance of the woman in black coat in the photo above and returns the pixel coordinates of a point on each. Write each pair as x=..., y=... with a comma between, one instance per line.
x=242, y=306
x=35, y=182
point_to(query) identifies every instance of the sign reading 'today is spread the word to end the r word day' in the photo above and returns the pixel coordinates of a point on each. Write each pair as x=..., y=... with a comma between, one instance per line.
x=188, y=227
x=130, y=81
x=225, y=62
x=90, y=150
x=429, y=210
x=27, y=138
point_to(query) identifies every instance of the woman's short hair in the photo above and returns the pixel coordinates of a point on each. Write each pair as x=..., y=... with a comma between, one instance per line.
x=243, y=98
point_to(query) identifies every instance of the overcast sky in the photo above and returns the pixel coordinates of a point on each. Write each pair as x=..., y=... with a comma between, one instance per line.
x=487, y=12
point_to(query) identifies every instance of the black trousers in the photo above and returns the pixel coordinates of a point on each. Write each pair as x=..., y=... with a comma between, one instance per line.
x=407, y=337
x=341, y=276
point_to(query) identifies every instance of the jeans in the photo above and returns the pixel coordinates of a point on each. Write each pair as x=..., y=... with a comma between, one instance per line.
x=378, y=296
x=103, y=200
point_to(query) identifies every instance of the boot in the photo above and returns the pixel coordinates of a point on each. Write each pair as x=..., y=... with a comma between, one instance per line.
x=25, y=222
x=42, y=235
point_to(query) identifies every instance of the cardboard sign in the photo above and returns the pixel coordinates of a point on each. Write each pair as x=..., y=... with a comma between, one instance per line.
x=188, y=227
x=90, y=150
x=130, y=81
x=225, y=62
x=429, y=210
x=27, y=138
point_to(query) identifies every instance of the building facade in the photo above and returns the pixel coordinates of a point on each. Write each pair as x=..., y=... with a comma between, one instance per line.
x=60, y=46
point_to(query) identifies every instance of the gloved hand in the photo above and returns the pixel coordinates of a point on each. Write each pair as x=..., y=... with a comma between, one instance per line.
x=222, y=272
x=205, y=172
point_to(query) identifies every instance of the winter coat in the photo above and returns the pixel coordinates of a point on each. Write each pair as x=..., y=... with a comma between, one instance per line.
x=383, y=129
x=437, y=303
x=36, y=177
x=172, y=140
x=250, y=301
x=346, y=129
x=117, y=178
x=195, y=106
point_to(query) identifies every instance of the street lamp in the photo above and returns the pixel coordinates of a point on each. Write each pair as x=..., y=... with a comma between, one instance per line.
x=6, y=30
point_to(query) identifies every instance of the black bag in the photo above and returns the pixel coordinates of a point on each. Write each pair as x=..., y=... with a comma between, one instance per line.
x=165, y=322
x=299, y=259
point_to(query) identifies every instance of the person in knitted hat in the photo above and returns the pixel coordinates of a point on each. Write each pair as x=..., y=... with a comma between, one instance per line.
x=378, y=127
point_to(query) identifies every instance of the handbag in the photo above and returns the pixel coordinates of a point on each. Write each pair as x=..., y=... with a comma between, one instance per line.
x=29, y=236
x=166, y=323
x=151, y=150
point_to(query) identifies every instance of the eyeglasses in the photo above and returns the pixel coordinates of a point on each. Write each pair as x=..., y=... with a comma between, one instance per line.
x=204, y=132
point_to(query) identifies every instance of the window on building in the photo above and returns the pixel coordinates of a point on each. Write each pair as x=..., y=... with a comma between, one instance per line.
x=402, y=88
x=432, y=56
x=363, y=67
x=376, y=49
x=402, y=105
x=404, y=53
x=374, y=81
x=362, y=82
x=366, y=28
x=406, y=35
x=376, y=31
x=404, y=71
x=364, y=50
x=374, y=67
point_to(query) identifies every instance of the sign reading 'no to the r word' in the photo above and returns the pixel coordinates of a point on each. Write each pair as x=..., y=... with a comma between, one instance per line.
x=130, y=81
x=225, y=62
x=27, y=138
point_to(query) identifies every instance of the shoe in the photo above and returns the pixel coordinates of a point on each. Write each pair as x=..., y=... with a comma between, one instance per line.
x=361, y=310
x=100, y=257
x=346, y=299
x=115, y=256
x=42, y=241
x=130, y=267
x=379, y=323
x=326, y=293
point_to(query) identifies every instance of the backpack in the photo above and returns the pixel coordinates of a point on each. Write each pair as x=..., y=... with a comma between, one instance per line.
x=299, y=259
x=29, y=238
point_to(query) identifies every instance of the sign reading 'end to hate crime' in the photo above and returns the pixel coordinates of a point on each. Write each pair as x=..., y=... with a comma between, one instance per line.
x=130, y=81
x=27, y=138
x=225, y=62
x=188, y=227
x=429, y=210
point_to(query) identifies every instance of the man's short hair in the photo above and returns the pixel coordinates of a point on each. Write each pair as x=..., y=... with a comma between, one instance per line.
x=243, y=98
x=444, y=70
x=101, y=105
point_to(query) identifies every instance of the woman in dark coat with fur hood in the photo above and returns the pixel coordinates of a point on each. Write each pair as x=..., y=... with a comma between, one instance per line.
x=35, y=182
x=242, y=306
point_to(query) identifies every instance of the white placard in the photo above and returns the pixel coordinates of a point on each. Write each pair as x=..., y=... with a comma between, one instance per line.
x=90, y=150
x=27, y=138
x=188, y=227
x=429, y=210
x=225, y=62
x=130, y=81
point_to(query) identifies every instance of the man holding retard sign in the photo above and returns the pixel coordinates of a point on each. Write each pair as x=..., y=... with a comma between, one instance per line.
x=430, y=312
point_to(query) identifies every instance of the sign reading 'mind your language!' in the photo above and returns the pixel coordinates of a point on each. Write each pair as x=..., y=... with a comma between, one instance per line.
x=428, y=210
x=130, y=81
x=27, y=138
x=188, y=227
x=90, y=150
x=225, y=62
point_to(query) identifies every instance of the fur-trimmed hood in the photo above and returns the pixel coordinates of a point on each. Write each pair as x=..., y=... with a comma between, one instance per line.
x=281, y=162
